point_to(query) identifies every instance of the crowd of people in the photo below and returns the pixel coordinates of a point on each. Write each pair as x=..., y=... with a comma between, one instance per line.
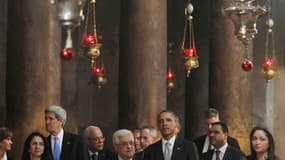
x=140, y=143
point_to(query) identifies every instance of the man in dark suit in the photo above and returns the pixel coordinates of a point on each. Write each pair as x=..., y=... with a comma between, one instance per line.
x=123, y=141
x=222, y=151
x=202, y=142
x=170, y=147
x=64, y=145
x=94, y=139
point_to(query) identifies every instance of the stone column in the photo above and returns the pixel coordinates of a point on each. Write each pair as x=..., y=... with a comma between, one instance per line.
x=33, y=70
x=3, y=40
x=229, y=89
x=143, y=59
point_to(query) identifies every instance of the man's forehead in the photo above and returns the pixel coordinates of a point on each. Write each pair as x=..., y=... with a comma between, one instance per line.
x=166, y=115
x=216, y=127
x=49, y=114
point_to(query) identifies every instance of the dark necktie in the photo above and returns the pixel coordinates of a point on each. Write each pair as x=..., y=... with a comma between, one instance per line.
x=218, y=154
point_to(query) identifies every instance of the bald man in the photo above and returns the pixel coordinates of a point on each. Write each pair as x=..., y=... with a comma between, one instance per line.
x=94, y=139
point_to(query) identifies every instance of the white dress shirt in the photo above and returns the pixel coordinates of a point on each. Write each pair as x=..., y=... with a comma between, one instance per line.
x=222, y=151
x=171, y=144
x=60, y=138
x=120, y=158
x=206, y=145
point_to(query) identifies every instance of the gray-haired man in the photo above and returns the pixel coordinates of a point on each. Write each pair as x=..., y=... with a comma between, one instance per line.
x=64, y=145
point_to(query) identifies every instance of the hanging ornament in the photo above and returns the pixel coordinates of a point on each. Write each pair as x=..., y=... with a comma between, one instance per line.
x=247, y=65
x=99, y=72
x=270, y=62
x=89, y=42
x=90, y=39
x=170, y=80
x=69, y=14
x=101, y=80
x=67, y=52
x=188, y=41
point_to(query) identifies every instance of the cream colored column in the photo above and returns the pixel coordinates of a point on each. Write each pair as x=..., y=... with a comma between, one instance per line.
x=33, y=70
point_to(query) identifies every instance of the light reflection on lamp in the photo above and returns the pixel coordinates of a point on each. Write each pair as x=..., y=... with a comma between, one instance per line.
x=244, y=15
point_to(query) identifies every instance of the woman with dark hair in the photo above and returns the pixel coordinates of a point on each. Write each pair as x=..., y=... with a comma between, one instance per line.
x=5, y=142
x=261, y=145
x=36, y=147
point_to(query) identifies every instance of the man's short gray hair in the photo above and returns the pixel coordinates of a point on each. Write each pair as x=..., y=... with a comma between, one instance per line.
x=121, y=133
x=211, y=112
x=88, y=128
x=152, y=130
x=59, y=112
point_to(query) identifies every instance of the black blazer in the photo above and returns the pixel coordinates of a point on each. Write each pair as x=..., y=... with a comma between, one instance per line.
x=104, y=155
x=73, y=147
x=201, y=140
x=230, y=154
x=182, y=150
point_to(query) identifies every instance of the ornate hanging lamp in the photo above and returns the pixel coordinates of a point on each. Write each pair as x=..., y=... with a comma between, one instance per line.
x=188, y=41
x=89, y=42
x=244, y=15
x=99, y=72
x=70, y=14
x=270, y=61
x=170, y=80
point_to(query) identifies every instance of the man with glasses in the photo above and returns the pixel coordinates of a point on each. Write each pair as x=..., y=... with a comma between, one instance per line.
x=218, y=135
x=123, y=141
x=94, y=140
x=171, y=146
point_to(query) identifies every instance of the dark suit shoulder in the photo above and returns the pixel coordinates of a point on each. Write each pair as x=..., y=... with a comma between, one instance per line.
x=153, y=151
x=233, y=142
x=139, y=155
x=233, y=153
x=185, y=142
x=199, y=141
x=106, y=154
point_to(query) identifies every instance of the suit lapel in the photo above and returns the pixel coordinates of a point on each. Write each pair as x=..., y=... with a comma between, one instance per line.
x=49, y=141
x=66, y=144
x=160, y=151
x=227, y=153
x=176, y=148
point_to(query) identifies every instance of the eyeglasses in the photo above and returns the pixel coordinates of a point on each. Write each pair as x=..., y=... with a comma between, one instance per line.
x=97, y=139
x=131, y=143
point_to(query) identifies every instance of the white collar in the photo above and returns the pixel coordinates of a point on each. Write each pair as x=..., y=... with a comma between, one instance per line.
x=59, y=135
x=122, y=158
x=223, y=148
x=91, y=153
x=171, y=141
x=5, y=156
